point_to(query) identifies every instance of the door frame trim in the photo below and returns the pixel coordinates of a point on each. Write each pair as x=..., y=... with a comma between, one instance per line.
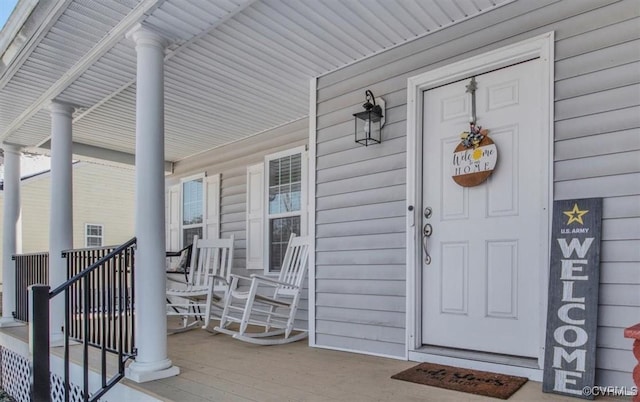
x=542, y=47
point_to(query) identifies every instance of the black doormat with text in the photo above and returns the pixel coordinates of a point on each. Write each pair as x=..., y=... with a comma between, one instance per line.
x=465, y=380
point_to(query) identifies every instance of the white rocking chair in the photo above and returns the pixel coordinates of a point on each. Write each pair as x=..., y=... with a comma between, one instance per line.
x=276, y=312
x=206, y=285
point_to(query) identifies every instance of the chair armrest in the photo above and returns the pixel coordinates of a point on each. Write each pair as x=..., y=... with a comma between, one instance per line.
x=235, y=279
x=271, y=281
x=219, y=278
x=240, y=277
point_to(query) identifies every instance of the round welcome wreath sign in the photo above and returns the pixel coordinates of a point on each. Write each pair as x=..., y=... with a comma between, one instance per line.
x=474, y=159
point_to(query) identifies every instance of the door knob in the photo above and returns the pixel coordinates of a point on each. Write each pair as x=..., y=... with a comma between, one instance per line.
x=427, y=230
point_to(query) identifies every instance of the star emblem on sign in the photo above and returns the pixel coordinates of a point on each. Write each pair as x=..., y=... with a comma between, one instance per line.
x=575, y=215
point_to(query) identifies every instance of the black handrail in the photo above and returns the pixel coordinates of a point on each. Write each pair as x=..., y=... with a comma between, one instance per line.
x=97, y=299
x=91, y=268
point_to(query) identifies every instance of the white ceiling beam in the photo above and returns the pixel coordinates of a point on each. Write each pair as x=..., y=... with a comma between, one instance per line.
x=25, y=41
x=93, y=153
x=102, y=47
x=13, y=26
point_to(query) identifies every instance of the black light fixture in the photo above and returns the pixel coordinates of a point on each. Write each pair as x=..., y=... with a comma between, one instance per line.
x=370, y=122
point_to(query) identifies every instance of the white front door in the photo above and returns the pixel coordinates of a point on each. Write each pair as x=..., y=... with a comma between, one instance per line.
x=482, y=289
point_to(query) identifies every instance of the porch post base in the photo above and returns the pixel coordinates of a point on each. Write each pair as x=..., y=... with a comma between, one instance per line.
x=6, y=322
x=144, y=372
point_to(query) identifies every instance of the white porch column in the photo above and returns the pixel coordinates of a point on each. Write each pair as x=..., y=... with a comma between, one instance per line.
x=11, y=232
x=150, y=281
x=61, y=214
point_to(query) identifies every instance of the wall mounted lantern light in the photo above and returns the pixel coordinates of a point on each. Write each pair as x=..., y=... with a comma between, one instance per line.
x=370, y=122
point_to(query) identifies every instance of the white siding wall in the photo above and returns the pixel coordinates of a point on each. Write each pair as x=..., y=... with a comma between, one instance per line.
x=360, y=253
x=101, y=195
x=231, y=162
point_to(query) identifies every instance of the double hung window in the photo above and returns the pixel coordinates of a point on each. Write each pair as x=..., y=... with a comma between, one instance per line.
x=192, y=209
x=286, y=202
x=284, y=206
x=93, y=235
x=276, y=207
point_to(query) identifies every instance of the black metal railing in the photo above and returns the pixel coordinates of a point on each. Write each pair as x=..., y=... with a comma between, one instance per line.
x=30, y=269
x=103, y=287
x=99, y=311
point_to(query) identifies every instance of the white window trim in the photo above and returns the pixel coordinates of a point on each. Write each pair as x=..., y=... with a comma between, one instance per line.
x=302, y=150
x=202, y=225
x=313, y=99
x=86, y=236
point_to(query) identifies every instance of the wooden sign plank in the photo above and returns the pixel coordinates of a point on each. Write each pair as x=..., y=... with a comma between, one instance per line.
x=572, y=317
x=472, y=166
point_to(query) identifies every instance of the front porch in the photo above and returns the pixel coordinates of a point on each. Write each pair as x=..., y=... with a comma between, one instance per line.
x=219, y=368
x=239, y=84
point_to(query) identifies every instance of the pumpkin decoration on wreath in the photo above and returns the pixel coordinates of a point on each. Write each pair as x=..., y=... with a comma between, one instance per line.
x=475, y=157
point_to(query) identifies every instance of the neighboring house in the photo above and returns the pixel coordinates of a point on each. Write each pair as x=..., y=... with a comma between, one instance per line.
x=254, y=151
x=103, y=199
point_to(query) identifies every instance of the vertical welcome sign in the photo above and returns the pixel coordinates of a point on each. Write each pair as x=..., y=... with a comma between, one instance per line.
x=572, y=317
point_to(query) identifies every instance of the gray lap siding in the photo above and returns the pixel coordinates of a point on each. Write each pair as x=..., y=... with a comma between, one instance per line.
x=360, y=192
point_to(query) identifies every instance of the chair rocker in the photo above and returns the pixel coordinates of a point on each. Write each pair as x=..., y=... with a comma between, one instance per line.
x=275, y=312
x=205, y=286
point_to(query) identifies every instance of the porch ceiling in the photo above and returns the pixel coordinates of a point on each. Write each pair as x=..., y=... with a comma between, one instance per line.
x=234, y=67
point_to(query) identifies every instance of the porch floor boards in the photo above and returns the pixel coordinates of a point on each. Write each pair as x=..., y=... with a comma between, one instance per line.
x=220, y=368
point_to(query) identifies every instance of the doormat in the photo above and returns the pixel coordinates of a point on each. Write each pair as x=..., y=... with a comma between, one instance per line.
x=463, y=380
